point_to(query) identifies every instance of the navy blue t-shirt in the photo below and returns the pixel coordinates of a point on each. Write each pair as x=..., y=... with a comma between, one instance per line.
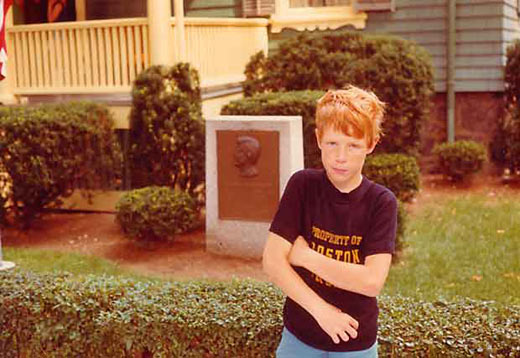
x=346, y=227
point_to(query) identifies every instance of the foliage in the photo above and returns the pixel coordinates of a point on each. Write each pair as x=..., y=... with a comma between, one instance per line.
x=4, y=192
x=459, y=159
x=50, y=150
x=512, y=74
x=156, y=213
x=398, y=71
x=255, y=70
x=297, y=103
x=398, y=172
x=505, y=147
x=63, y=316
x=166, y=128
x=402, y=221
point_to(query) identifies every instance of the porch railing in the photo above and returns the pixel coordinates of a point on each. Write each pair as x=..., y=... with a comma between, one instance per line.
x=221, y=48
x=105, y=56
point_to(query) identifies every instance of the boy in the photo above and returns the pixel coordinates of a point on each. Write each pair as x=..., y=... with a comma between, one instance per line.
x=331, y=241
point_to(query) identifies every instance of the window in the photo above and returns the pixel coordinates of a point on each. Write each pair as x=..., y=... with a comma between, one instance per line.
x=318, y=3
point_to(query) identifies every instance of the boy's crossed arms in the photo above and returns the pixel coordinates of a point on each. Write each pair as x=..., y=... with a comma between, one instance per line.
x=367, y=279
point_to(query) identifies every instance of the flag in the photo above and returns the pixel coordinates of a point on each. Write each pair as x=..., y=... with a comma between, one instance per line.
x=54, y=9
x=4, y=7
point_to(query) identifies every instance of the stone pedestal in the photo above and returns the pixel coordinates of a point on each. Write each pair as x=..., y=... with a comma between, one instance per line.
x=249, y=160
x=6, y=265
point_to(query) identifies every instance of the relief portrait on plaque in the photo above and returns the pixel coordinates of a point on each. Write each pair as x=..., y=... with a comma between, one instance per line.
x=247, y=174
x=247, y=152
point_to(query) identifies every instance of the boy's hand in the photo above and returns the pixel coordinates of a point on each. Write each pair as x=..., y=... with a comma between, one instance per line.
x=337, y=324
x=298, y=251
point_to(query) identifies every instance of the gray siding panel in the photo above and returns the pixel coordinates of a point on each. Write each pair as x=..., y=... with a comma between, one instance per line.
x=484, y=27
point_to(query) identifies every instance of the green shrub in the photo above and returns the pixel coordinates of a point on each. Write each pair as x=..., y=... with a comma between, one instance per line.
x=3, y=203
x=154, y=214
x=398, y=172
x=5, y=190
x=398, y=71
x=402, y=220
x=166, y=129
x=505, y=146
x=297, y=103
x=512, y=74
x=460, y=159
x=50, y=150
x=62, y=316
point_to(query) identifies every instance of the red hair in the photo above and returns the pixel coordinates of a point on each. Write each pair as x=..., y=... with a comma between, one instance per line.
x=352, y=111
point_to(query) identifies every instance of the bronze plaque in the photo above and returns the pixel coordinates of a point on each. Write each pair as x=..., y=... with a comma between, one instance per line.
x=248, y=174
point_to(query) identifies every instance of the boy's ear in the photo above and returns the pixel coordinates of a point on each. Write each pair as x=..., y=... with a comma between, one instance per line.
x=317, y=137
x=371, y=149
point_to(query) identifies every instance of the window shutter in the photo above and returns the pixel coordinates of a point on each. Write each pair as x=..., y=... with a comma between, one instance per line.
x=252, y=8
x=374, y=5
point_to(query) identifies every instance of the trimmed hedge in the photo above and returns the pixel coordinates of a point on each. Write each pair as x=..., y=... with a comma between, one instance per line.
x=398, y=172
x=505, y=147
x=398, y=71
x=153, y=214
x=167, y=144
x=402, y=221
x=459, y=159
x=512, y=74
x=50, y=150
x=63, y=316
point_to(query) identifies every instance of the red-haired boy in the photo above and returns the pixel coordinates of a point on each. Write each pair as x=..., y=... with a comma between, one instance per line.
x=331, y=241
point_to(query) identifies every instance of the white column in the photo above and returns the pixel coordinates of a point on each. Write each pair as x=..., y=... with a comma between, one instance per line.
x=7, y=84
x=81, y=10
x=161, y=43
x=179, y=30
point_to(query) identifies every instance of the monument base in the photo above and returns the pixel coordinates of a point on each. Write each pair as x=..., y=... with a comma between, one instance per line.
x=6, y=265
x=237, y=221
x=237, y=238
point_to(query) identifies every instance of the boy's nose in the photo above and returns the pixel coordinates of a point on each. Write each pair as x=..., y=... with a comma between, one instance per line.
x=342, y=154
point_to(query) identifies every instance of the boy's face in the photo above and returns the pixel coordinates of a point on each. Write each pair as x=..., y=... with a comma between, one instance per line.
x=343, y=157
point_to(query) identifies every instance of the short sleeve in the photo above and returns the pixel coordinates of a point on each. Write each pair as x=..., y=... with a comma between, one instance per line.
x=383, y=226
x=288, y=219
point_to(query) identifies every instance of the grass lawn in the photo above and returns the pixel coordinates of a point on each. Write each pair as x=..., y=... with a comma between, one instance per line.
x=53, y=261
x=469, y=246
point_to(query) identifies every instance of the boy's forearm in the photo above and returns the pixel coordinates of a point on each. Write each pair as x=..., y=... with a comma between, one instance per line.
x=362, y=279
x=337, y=324
x=283, y=275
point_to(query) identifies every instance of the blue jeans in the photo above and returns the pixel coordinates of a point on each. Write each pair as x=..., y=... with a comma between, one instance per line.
x=292, y=347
